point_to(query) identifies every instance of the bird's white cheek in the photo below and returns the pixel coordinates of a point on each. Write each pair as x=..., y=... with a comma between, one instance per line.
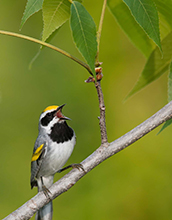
x=51, y=124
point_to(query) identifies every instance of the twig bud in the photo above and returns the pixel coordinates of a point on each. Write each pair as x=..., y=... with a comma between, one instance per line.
x=99, y=74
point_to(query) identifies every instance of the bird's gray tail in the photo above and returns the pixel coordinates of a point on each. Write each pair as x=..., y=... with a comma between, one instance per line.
x=46, y=212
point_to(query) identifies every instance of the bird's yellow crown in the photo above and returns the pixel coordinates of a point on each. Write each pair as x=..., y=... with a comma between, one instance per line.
x=52, y=107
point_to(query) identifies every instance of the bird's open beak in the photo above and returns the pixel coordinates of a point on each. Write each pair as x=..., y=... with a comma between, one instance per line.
x=59, y=113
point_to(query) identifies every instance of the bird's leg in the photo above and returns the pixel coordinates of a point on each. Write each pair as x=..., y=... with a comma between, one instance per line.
x=45, y=190
x=74, y=165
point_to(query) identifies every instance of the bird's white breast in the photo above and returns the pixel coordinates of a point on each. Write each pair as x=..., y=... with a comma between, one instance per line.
x=56, y=156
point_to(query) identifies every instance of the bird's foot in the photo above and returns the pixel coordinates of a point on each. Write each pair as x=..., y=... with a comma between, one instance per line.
x=74, y=165
x=46, y=192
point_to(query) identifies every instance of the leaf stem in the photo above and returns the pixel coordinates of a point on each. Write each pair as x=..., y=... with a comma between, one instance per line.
x=49, y=46
x=100, y=30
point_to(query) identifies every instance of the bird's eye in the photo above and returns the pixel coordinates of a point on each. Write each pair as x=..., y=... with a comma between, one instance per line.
x=49, y=114
x=46, y=119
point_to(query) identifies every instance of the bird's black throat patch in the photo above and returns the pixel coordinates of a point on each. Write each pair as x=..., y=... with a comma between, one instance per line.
x=61, y=132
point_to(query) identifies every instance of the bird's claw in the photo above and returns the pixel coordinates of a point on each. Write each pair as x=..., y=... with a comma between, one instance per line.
x=46, y=192
x=78, y=166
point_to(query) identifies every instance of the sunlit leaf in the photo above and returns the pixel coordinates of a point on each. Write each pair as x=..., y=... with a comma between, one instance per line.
x=146, y=14
x=164, y=26
x=156, y=65
x=133, y=30
x=55, y=14
x=84, y=33
x=165, y=8
x=32, y=7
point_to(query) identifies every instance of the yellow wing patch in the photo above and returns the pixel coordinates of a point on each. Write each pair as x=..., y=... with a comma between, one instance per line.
x=37, y=153
x=52, y=107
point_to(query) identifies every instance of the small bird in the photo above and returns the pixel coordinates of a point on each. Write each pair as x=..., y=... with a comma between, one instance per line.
x=52, y=149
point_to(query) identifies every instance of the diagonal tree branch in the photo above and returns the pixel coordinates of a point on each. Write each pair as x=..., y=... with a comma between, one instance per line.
x=102, y=153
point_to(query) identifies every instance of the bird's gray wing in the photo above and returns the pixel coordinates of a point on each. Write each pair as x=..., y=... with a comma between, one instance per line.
x=36, y=161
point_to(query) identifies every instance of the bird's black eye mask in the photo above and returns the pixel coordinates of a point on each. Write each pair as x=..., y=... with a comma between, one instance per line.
x=47, y=118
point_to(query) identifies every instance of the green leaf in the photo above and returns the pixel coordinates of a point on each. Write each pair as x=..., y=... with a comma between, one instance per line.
x=155, y=66
x=55, y=14
x=145, y=13
x=165, y=8
x=84, y=33
x=32, y=7
x=164, y=26
x=129, y=25
x=167, y=123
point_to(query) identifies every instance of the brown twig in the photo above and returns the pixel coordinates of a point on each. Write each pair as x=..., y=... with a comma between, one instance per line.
x=102, y=119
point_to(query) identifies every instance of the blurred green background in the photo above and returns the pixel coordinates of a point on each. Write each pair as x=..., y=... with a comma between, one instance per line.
x=134, y=184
